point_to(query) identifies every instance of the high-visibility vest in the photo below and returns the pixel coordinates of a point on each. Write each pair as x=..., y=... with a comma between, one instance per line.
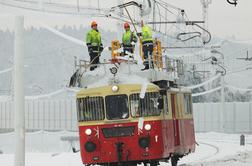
x=93, y=37
x=146, y=33
x=128, y=37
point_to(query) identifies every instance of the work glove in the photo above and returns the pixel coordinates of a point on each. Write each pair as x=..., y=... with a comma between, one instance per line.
x=90, y=50
x=89, y=46
x=101, y=48
x=139, y=34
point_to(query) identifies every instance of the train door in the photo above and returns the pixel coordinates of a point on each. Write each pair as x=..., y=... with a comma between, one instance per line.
x=175, y=119
x=168, y=130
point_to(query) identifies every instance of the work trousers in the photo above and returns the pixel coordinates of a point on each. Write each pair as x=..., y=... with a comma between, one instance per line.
x=94, y=58
x=147, y=51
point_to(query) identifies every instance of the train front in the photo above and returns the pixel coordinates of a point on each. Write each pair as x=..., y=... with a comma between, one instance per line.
x=116, y=125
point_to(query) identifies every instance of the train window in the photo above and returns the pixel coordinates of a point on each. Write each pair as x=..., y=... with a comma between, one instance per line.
x=90, y=109
x=134, y=107
x=117, y=107
x=187, y=104
x=148, y=106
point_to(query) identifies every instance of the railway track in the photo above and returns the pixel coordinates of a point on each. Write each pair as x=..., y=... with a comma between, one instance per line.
x=215, y=150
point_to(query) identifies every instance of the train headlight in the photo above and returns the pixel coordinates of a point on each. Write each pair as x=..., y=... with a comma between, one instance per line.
x=88, y=131
x=144, y=142
x=147, y=127
x=90, y=146
x=115, y=88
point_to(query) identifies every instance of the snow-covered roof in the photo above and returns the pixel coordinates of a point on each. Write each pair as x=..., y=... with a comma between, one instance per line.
x=127, y=73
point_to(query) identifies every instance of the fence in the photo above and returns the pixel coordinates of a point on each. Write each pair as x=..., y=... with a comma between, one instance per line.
x=61, y=115
x=42, y=115
x=236, y=117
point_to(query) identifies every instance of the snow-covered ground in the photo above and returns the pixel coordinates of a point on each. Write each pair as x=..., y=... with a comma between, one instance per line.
x=214, y=149
x=218, y=149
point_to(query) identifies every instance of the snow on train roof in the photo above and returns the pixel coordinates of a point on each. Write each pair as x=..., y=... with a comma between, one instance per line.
x=127, y=73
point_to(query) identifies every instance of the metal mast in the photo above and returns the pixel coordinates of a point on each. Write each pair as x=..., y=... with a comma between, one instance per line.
x=205, y=4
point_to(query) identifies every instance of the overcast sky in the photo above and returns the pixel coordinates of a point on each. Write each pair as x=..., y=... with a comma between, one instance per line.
x=225, y=20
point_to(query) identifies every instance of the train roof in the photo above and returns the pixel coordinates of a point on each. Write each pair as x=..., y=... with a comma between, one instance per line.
x=123, y=89
x=123, y=72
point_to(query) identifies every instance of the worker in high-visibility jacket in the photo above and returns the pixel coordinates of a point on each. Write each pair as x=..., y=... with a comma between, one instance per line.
x=128, y=40
x=94, y=44
x=147, y=43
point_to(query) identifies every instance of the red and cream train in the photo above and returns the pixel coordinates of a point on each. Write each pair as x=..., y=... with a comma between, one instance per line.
x=121, y=125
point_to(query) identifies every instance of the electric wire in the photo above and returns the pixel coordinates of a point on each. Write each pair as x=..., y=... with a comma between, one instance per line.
x=206, y=92
x=81, y=43
x=205, y=82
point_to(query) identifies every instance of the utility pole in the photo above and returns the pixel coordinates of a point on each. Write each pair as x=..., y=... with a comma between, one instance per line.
x=119, y=24
x=205, y=4
x=223, y=73
x=19, y=93
x=222, y=104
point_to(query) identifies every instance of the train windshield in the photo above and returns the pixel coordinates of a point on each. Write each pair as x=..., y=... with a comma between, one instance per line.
x=117, y=107
x=90, y=109
x=148, y=106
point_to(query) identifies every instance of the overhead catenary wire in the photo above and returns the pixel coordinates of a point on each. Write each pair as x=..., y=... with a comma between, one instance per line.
x=206, y=92
x=67, y=37
x=180, y=10
x=204, y=83
x=62, y=35
x=166, y=5
x=76, y=41
x=183, y=42
x=131, y=19
x=98, y=14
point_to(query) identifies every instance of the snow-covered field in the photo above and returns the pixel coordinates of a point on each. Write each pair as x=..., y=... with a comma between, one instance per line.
x=214, y=149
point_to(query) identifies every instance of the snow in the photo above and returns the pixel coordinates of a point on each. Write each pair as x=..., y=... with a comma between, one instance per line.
x=214, y=149
x=220, y=149
x=128, y=69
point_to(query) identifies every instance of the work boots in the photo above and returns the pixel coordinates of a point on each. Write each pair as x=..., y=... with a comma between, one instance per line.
x=145, y=68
